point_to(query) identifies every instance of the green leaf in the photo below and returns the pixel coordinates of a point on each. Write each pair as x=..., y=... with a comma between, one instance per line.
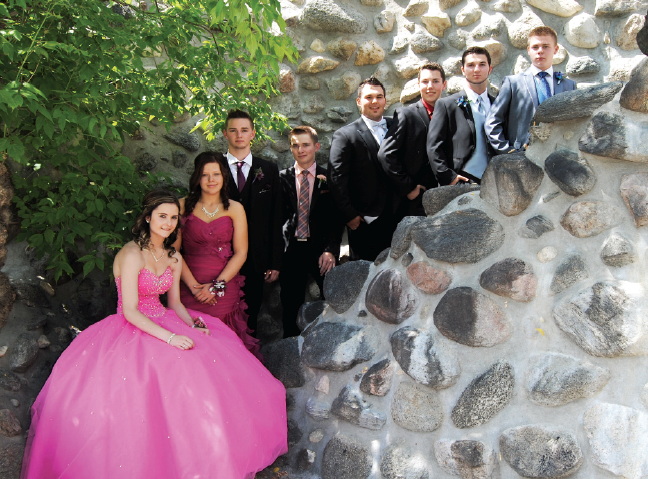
x=89, y=266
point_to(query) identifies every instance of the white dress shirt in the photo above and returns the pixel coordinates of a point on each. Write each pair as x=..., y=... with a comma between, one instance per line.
x=247, y=165
x=378, y=129
x=549, y=71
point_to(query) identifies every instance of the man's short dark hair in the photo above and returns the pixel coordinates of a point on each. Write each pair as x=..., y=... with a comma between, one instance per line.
x=432, y=66
x=371, y=81
x=304, y=130
x=475, y=51
x=234, y=114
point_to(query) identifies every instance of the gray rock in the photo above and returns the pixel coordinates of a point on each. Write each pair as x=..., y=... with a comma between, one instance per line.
x=9, y=423
x=511, y=278
x=400, y=462
x=339, y=114
x=402, y=238
x=283, y=361
x=309, y=83
x=423, y=42
x=294, y=432
x=618, y=251
x=493, y=27
x=390, y=298
x=318, y=410
x=572, y=174
x=642, y=39
x=612, y=136
x=589, y=218
x=568, y=273
x=407, y=259
x=382, y=257
x=635, y=94
x=555, y=379
x=604, y=319
x=485, y=396
x=350, y=406
x=305, y=459
x=424, y=359
x=634, y=191
x=399, y=44
x=145, y=162
x=178, y=158
x=32, y=295
x=614, y=8
x=11, y=458
x=378, y=379
x=471, y=318
x=338, y=346
x=574, y=104
x=444, y=237
x=9, y=381
x=507, y=6
x=536, y=226
x=582, y=66
x=458, y=38
x=510, y=183
x=416, y=408
x=435, y=199
x=345, y=456
x=617, y=439
x=343, y=284
x=183, y=137
x=541, y=451
x=428, y=279
x=309, y=312
x=467, y=459
x=415, y=8
x=23, y=353
x=328, y=16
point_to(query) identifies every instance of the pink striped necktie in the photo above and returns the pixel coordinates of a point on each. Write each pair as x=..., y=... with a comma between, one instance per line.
x=303, y=207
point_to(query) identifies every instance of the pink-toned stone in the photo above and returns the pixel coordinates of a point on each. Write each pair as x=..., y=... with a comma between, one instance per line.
x=428, y=279
x=286, y=81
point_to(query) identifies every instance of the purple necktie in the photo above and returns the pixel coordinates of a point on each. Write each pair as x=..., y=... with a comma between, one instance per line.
x=240, y=177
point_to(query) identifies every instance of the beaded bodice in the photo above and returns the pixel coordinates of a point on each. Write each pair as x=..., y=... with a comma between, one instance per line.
x=149, y=287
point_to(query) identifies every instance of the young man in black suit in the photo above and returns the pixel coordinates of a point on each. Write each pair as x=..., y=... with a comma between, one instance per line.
x=312, y=230
x=457, y=145
x=255, y=183
x=403, y=152
x=361, y=190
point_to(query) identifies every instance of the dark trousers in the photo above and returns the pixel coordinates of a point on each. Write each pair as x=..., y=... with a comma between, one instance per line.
x=300, y=259
x=253, y=289
x=368, y=240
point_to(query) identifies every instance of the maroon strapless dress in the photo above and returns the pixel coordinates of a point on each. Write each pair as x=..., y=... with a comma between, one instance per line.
x=206, y=248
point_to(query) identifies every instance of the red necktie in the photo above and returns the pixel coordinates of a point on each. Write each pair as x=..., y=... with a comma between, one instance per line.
x=240, y=177
x=303, y=207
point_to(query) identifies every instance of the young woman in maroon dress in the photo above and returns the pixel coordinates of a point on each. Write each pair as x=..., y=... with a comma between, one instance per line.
x=214, y=246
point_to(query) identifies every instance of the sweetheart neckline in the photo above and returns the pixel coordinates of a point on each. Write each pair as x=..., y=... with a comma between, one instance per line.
x=152, y=272
x=210, y=222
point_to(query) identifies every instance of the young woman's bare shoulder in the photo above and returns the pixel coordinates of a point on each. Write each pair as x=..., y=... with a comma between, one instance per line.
x=235, y=207
x=130, y=255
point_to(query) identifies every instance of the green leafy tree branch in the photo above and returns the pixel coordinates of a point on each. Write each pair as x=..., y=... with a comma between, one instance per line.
x=77, y=76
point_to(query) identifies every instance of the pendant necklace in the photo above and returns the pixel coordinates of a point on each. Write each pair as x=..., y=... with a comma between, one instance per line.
x=156, y=259
x=210, y=215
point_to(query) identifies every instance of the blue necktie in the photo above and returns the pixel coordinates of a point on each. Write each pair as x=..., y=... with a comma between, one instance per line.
x=544, y=91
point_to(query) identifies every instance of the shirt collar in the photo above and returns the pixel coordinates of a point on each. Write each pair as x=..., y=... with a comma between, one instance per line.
x=428, y=107
x=311, y=169
x=535, y=70
x=371, y=123
x=232, y=160
x=472, y=96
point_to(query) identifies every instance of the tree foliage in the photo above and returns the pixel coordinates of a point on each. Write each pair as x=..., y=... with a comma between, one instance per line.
x=76, y=76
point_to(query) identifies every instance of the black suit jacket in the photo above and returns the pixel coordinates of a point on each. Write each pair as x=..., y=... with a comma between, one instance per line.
x=451, y=138
x=359, y=185
x=324, y=222
x=403, y=152
x=261, y=198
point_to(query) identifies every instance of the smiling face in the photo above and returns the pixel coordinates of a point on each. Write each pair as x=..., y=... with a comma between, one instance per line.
x=476, y=70
x=239, y=134
x=303, y=149
x=211, y=181
x=164, y=220
x=541, y=50
x=431, y=85
x=372, y=101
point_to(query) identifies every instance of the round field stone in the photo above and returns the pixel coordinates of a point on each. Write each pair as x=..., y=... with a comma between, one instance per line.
x=23, y=353
x=572, y=270
x=571, y=174
x=634, y=191
x=511, y=278
x=429, y=279
x=402, y=239
x=400, y=462
x=283, y=361
x=574, y=104
x=328, y=16
x=435, y=199
x=536, y=226
x=350, y=406
x=377, y=380
x=338, y=346
x=466, y=459
x=589, y=218
x=345, y=456
x=618, y=251
x=390, y=297
x=343, y=284
x=416, y=408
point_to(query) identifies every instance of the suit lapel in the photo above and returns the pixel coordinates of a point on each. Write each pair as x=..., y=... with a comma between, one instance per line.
x=246, y=194
x=469, y=115
x=317, y=186
x=558, y=87
x=531, y=87
x=423, y=114
x=368, y=138
x=292, y=187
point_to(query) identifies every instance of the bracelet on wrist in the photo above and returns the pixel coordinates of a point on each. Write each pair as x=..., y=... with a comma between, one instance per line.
x=218, y=287
x=170, y=338
x=198, y=323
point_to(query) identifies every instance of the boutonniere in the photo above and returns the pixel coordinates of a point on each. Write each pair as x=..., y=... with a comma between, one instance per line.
x=462, y=101
x=258, y=174
x=322, y=180
x=559, y=77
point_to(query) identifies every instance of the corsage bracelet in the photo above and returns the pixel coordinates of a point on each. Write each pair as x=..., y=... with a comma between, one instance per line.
x=198, y=323
x=218, y=288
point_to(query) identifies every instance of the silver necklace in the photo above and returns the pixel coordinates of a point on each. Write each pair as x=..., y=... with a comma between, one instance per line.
x=156, y=259
x=210, y=215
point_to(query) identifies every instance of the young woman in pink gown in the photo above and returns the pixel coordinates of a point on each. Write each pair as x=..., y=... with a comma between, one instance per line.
x=214, y=244
x=148, y=392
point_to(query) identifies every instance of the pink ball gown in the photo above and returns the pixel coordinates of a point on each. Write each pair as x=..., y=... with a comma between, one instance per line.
x=206, y=248
x=122, y=404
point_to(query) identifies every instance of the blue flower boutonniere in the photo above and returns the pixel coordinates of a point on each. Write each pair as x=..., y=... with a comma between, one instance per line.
x=258, y=174
x=559, y=77
x=462, y=101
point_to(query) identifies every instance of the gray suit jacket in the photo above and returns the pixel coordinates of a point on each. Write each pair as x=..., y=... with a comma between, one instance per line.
x=509, y=119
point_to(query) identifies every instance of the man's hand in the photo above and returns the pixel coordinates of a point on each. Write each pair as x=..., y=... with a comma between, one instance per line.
x=459, y=178
x=326, y=263
x=355, y=222
x=412, y=195
x=271, y=275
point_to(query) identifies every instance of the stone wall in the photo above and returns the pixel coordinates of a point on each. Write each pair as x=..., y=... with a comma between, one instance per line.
x=504, y=335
